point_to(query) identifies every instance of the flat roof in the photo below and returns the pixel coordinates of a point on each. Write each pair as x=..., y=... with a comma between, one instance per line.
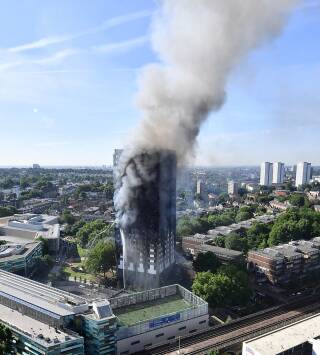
x=219, y=250
x=39, y=296
x=142, y=312
x=15, y=239
x=27, y=249
x=285, y=338
x=33, y=328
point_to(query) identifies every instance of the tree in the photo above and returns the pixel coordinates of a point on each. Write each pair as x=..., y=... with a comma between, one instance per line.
x=45, y=245
x=236, y=242
x=5, y=340
x=90, y=231
x=67, y=217
x=7, y=211
x=297, y=200
x=101, y=258
x=206, y=262
x=294, y=224
x=257, y=235
x=228, y=287
x=223, y=198
x=219, y=241
x=243, y=216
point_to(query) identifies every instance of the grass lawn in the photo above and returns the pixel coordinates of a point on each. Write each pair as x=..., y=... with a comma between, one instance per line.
x=153, y=309
x=78, y=274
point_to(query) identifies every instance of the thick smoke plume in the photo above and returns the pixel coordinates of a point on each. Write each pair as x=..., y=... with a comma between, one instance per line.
x=199, y=43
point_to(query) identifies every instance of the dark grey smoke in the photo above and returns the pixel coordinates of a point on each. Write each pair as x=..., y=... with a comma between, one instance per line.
x=199, y=43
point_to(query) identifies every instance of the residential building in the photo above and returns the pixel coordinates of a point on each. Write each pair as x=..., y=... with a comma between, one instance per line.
x=233, y=188
x=303, y=174
x=116, y=157
x=266, y=173
x=279, y=206
x=148, y=244
x=196, y=244
x=201, y=190
x=286, y=263
x=278, y=173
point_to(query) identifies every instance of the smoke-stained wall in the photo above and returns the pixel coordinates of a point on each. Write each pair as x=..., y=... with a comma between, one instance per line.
x=149, y=241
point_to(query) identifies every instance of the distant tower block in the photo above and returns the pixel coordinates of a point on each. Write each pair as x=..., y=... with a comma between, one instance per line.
x=150, y=240
x=278, y=173
x=266, y=174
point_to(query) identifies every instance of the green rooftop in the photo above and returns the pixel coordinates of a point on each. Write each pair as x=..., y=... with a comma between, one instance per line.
x=149, y=310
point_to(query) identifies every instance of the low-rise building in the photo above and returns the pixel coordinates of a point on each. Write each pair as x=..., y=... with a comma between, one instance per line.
x=48, y=321
x=20, y=258
x=150, y=318
x=301, y=337
x=287, y=262
x=25, y=228
x=279, y=206
x=197, y=244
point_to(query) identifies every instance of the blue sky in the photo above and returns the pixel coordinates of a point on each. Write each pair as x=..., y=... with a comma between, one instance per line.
x=68, y=78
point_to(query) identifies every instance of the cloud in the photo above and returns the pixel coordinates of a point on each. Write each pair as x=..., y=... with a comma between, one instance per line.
x=57, y=56
x=122, y=46
x=112, y=22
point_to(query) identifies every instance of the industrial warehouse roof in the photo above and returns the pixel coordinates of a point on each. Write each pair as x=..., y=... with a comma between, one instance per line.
x=285, y=338
x=39, y=332
x=39, y=296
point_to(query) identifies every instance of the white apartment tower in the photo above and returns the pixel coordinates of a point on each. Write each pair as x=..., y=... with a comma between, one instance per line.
x=278, y=173
x=266, y=174
x=233, y=188
x=303, y=174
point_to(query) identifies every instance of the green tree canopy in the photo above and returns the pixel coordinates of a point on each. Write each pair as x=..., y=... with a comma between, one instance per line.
x=236, y=242
x=206, y=262
x=298, y=200
x=7, y=211
x=101, y=258
x=228, y=287
x=295, y=224
x=5, y=340
x=93, y=231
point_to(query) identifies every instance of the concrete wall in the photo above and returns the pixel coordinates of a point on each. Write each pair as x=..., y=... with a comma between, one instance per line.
x=139, y=342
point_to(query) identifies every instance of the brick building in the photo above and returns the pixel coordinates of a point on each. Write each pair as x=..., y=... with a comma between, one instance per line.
x=287, y=262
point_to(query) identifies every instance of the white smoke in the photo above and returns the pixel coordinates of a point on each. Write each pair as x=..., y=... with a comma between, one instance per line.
x=199, y=43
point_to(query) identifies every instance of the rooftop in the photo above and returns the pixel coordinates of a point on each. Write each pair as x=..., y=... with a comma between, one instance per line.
x=141, y=312
x=56, y=302
x=294, y=249
x=39, y=332
x=287, y=337
x=15, y=251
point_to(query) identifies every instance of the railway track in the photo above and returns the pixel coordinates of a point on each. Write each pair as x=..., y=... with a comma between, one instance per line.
x=222, y=336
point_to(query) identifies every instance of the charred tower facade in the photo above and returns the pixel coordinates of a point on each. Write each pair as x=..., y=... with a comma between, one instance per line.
x=148, y=242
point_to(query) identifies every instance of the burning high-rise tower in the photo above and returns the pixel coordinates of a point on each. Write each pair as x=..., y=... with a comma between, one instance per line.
x=148, y=230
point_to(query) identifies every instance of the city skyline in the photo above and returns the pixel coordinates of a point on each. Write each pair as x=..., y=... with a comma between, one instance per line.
x=69, y=83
